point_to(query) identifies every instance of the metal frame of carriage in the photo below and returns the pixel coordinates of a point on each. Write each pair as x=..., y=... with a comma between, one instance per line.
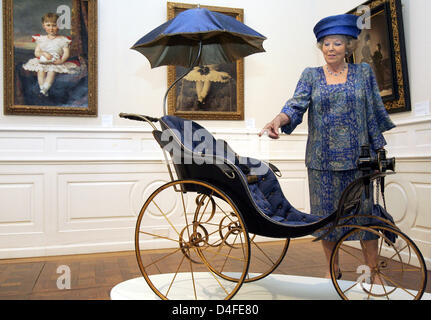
x=206, y=241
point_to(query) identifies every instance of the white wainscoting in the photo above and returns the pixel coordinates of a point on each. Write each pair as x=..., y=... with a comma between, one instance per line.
x=72, y=190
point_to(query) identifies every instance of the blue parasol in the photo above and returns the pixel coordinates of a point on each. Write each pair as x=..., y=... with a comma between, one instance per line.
x=198, y=37
x=176, y=42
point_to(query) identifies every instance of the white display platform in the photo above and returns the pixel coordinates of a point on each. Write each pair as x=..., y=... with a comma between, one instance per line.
x=272, y=287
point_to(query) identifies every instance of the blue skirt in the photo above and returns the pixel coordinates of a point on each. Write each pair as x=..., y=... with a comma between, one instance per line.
x=325, y=189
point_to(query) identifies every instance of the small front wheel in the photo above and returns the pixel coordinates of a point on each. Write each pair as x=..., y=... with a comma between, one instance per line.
x=383, y=268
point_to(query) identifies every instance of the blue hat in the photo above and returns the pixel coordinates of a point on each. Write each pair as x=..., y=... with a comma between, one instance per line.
x=344, y=24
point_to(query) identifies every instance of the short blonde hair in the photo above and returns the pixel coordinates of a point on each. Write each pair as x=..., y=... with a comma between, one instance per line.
x=50, y=17
x=350, y=42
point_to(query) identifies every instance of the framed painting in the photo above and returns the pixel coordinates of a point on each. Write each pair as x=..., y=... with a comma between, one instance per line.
x=209, y=92
x=50, y=57
x=381, y=45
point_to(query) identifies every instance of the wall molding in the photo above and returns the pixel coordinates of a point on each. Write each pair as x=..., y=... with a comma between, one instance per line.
x=54, y=181
x=411, y=121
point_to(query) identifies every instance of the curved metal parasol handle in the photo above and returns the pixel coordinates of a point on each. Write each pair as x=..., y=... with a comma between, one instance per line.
x=194, y=64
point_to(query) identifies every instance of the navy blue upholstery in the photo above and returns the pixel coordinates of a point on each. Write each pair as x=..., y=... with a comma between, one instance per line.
x=269, y=197
x=266, y=192
x=186, y=131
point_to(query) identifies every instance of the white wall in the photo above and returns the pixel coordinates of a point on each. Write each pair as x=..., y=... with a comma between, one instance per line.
x=127, y=83
x=71, y=185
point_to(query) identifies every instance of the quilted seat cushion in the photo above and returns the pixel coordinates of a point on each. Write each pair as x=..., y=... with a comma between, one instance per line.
x=269, y=197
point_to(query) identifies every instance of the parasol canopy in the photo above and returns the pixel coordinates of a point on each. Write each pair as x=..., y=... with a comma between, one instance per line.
x=177, y=41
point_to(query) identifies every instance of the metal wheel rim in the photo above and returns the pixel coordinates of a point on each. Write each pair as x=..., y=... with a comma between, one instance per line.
x=408, y=243
x=204, y=261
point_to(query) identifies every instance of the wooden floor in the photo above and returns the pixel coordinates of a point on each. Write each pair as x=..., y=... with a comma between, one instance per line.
x=93, y=276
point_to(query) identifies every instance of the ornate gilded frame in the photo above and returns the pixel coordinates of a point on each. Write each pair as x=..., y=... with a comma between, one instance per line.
x=237, y=87
x=391, y=11
x=13, y=106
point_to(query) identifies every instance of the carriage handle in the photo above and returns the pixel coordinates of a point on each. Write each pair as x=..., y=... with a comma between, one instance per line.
x=149, y=120
x=139, y=117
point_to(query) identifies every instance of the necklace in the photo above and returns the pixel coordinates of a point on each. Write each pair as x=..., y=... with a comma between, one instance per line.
x=335, y=74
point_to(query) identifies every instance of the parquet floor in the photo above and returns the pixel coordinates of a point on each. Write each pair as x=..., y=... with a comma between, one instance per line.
x=93, y=276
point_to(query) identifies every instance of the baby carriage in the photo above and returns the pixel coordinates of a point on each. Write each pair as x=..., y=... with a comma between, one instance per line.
x=200, y=235
x=207, y=224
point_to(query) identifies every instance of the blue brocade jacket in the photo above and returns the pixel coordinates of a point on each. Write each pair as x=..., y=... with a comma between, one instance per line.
x=341, y=117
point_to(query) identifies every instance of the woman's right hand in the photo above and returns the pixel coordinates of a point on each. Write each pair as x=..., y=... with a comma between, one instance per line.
x=273, y=127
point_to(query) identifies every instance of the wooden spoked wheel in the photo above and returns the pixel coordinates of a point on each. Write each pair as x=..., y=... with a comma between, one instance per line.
x=396, y=271
x=189, y=239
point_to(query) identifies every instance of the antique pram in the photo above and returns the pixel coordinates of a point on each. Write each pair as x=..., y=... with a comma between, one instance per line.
x=198, y=236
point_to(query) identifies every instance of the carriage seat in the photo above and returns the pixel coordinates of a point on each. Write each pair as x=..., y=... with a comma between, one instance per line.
x=265, y=189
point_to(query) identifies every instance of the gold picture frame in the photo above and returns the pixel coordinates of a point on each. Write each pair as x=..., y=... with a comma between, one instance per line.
x=73, y=89
x=224, y=99
x=382, y=41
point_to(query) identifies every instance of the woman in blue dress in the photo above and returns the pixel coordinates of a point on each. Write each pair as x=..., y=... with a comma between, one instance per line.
x=345, y=111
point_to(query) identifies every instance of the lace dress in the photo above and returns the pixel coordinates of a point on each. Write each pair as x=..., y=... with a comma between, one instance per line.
x=55, y=48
